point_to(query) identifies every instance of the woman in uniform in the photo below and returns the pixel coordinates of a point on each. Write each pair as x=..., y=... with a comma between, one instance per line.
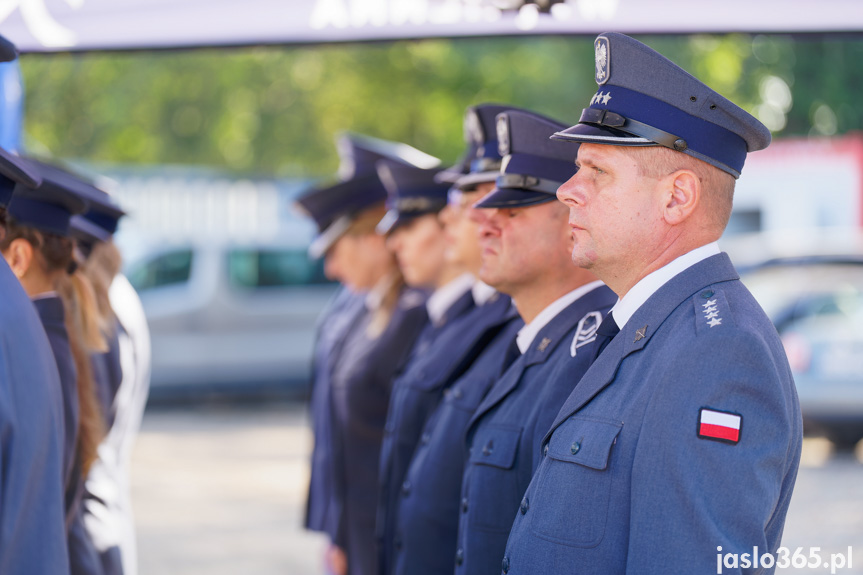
x=39, y=251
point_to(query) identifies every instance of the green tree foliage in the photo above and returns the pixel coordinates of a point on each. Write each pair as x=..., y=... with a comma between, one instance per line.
x=275, y=110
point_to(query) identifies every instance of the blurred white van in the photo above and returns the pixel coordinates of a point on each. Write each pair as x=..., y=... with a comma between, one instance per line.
x=230, y=317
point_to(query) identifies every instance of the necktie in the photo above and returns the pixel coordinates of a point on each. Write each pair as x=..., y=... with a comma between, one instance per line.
x=605, y=333
x=512, y=353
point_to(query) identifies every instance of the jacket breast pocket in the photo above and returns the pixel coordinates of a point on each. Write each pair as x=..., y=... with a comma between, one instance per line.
x=571, y=499
x=494, y=494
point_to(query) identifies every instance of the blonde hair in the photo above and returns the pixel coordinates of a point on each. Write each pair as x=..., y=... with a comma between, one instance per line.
x=100, y=269
x=55, y=255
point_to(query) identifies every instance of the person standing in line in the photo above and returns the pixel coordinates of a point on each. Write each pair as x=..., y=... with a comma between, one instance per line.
x=427, y=515
x=687, y=427
x=460, y=327
x=363, y=340
x=526, y=249
x=39, y=250
x=32, y=505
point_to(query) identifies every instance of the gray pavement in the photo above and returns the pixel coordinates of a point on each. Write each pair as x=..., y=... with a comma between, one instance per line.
x=221, y=491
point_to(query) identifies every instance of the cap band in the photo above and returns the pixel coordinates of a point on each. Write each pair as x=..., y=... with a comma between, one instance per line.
x=485, y=165
x=104, y=221
x=531, y=183
x=419, y=204
x=41, y=215
x=7, y=187
x=700, y=138
x=539, y=166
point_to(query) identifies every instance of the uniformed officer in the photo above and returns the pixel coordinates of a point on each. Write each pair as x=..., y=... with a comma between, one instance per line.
x=32, y=507
x=106, y=519
x=427, y=514
x=364, y=340
x=460, y=327
x=526, y=246
x=39, y=250
x=683, y=439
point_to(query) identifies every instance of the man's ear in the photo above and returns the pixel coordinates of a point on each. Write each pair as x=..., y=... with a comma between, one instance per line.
x=19, y=255
x=682, y=196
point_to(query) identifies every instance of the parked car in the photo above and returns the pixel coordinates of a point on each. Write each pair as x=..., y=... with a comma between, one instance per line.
x=230, y=317
x=816, y=303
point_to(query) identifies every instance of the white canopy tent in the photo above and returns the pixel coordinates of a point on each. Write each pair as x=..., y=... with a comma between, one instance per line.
x=82, y=25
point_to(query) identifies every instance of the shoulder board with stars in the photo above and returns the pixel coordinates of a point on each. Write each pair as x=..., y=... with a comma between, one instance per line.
x=711, y=310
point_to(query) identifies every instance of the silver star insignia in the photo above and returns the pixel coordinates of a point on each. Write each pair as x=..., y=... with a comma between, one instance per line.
x=606, y=98
x=711, y=309
x=715, y=321
x=709, y=303
x=712, y=315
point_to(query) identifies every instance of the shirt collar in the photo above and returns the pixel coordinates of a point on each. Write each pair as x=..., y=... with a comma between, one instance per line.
x=482, y=292
x=443, y=297
x=526, y=335
x=375, y=296
x=649, y=284
x=45, y=295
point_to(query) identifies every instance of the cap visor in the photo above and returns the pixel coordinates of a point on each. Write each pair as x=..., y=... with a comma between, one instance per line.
x=591, y=134
x=470, y=181
x=513, y=198
x=387, y=223
x=19, y=169
x=83, y=229
x=327, y=238
x=451, y=175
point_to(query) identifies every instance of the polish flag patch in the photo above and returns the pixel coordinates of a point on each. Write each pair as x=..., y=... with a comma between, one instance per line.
x=719, y=425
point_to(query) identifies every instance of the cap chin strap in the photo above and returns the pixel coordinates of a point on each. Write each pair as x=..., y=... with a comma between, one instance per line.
x=531, y=183
x=608, y=119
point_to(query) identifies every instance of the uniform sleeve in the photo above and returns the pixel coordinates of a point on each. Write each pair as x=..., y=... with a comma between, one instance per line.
x=691, y=495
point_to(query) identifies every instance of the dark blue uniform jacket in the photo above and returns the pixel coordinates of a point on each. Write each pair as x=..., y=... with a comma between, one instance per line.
x=333, y=327
x=427, y=520
x=360, y=392
x=440, y=358
x=628, y=485
x=83, y=558
x=505, y=433
x=32, y=506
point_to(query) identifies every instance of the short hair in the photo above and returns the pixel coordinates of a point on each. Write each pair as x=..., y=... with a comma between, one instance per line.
x=718, y=186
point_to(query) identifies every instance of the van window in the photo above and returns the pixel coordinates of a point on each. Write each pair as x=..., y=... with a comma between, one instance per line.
x=166, y=269
x=249, y=268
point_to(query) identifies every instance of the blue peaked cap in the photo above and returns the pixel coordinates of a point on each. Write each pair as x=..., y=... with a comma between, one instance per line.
x=481, y=160
x=534, y=166
x=334, y=206
x=48, y=207
x=411, y=192
x=102, y=211
x=645, y=99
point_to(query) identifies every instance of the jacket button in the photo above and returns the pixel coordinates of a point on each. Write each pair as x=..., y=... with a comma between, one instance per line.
x=406, y=488
x=425, y=438
x=459, y=557
x=488, y=447
x=464, y=505
x=456, y=394
x=505, y=564
x=576, y=447
x=524, y=506
x=545, y=450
